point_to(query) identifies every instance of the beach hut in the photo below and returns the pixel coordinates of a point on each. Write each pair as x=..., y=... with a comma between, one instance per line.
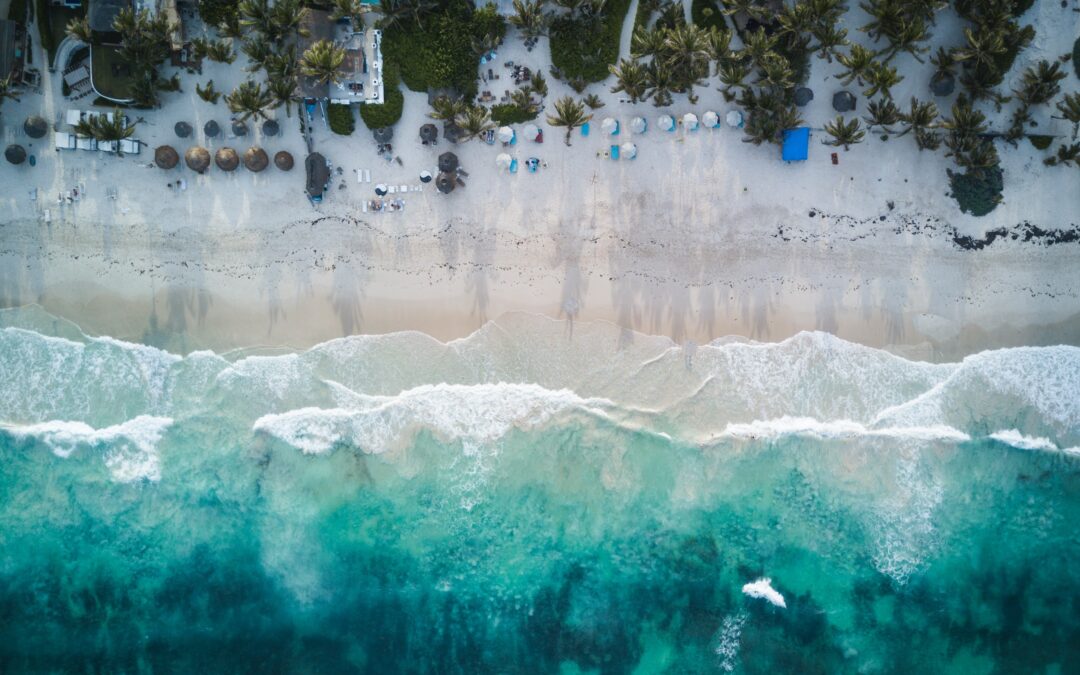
x=638, y=125
x=505, y=135
x=448, y=161
x=35, y=127
x=445, y=183
x=629, y=150
x=270, y=128
x=182, y=129
x=227, y=159
x=666, y=123
x=197, y=159
x=211, y=129
x=690, y=121
x=734, y=119
x=610, y=126
x=166, y=157
x=429, y=133
x=710, y=119
x=843, y=101
x=803, y=95
x=530, y=132
x=16, y=154
x=503, y=161
x=283, y=160
x=256, y=159
x=239, y=128
x=318, y=176
x=425, y=176
x=383, y=134
x=796, y=145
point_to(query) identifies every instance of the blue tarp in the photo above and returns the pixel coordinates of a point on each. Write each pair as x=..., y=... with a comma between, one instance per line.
x=796, y=144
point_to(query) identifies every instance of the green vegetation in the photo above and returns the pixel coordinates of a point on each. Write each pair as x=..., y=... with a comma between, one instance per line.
x=208, y=93
x=17, y=11
x=977, y=193
x=112, y=73
x=341, y=119
x=707, y=14
x=1076, y=57
x=585, y=42
x=218, y=12
x=102, y=129
x=1041, y=142
x=386, y=114
x=508, y=113
x=570, y=114
x=54, y=26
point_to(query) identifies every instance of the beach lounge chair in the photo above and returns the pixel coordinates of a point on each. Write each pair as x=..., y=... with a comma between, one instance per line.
x=585, y=129
x=614, y=152
x=403, y=188
x=513, y=165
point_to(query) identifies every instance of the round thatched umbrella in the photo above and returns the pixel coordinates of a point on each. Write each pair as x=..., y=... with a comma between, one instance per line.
x=197, y=158
x=445, y=182
x=448, y=161
x=183, y=129
x=227, y=159
x=16, y=154
x=942, y=84
x=211, y=129
x=383, y=134
x=283, y=161
x=35, y=126
x=166, y=157
x=843, y=101
x=255, y=160
x=271, y=128
x=239, y=128
x=451, y=132
x=803, y=95
x=429, y=133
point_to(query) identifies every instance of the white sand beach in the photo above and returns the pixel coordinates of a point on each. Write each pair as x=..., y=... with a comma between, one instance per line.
x=701, y=236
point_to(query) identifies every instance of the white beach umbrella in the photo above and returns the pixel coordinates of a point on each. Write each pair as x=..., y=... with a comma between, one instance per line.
x=629, y=150
x=734, y=118
x=710, y=119
x=530, y=132
x=609, y=125
x=503, y=161
x=666, y=122
x=690, y=121
x=638, y=125
x=506, y=134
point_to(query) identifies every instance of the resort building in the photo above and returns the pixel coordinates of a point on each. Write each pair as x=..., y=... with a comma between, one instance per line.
x=360, y=75
x=100, y=15
x=12, y=50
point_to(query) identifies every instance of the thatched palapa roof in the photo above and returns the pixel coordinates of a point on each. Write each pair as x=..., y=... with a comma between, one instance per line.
x=197, y=158
x=166, y=157
x=227, y=159
x=255, y=160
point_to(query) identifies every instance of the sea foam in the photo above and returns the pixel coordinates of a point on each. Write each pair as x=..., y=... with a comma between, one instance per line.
x=762, y=588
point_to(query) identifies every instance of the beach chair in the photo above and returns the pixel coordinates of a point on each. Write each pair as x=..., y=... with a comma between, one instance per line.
x=403, y=188
x=614, y=152
x=363, y=207
x=513, y=165
x=585, y=129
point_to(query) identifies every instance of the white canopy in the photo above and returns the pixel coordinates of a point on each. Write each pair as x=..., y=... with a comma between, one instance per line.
x=609, y=125
x=506, y=134
x=666, y=122
x=629, y=150
x=530, y=132
x=690, y=121
x=64, y=140
x=734, y=118
x=710, y=119
x=638, y=125
x=503, y=160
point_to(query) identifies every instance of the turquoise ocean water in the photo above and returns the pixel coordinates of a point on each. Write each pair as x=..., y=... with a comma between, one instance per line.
x=533, y=499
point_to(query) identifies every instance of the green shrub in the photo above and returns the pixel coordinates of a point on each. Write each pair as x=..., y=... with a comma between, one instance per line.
x=388, y=113
x=707, y=14
x=341, y=119
x=1076, y=57
x=17, y=11
x=1021, y=6
x=584, y=49
x=1041, y=142
x=217, y=12
x=977, y=194
x=508, y=113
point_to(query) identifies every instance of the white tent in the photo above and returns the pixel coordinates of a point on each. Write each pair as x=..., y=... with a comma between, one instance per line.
x=638, y=125
x=690, y=121
x=734, y=118
x=710, y=119
x=506, y=134
x=503, y=161
x=629, y=150
x=64, y=140
x=609, y=125
x=666, y=122
x=530, y=132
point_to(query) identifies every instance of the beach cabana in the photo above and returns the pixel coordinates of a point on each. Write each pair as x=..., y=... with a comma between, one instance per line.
x=638, y=125
x=843, y=101
x=318, y=176
x=383, y=134
x=166, y=157
x=734, y=119
x=530, y=132
x=505, y=135
x=666, y=123
x=256, y=159
x=211, y=129
x=690, y=121
x=16, y=154
x=429, y=133
x=283, y=160
x=239, y=128
x=796, y=146
x=629, y=150
x=35, y=127
x=197, y=159
x=182, y=129
x=445, y=183
x=271, y=128
x=710, y=119
x=610, y=126
x=227, y=159
x=503, y=161
x=803, y=95
x=448, y=161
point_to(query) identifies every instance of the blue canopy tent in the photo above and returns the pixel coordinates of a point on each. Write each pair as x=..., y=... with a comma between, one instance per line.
x=796, y=144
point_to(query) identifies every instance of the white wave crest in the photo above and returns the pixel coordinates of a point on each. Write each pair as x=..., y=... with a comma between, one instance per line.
x=130, y=448
x=762, y=588
x=837, y=429
x=1016, y=439
x=477, y=413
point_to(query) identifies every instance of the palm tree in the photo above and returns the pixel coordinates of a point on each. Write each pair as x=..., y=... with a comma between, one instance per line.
x=447, y=109
x=965, y=121
x=7, y=90
x=919, y=117
x=522, y=99
x=757, y=45
x=732, y=75
x=1040, y=84
x=539, y=84
x=844, y=133
x=282, y=91
x=281, y=64
x=631, y=79
x=927, y=140
x=974, y=154
x=645, y=43
x=881, y=78
x=1069, y=108
x=885, y=17
x=570, y=114
x=944, y=62
x=208, y=93
x=220, y=51
x=102, y=129
x=1067, y=154
x=249, y=99
x=661, y=84
x=750, y=8
x=353, y=10
x=393, y=12
x=830, y=37
x=475, y=121
x=982, y=48
x=79, y=29
x=857, y=64
x=909, y=38
x=256, y=15
x=322, y=60
x=882, y=113
x=776, y=72
x=593, y=101
x=530, y=18
x=719, y=45
x=258, y=51
x=687, y=48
